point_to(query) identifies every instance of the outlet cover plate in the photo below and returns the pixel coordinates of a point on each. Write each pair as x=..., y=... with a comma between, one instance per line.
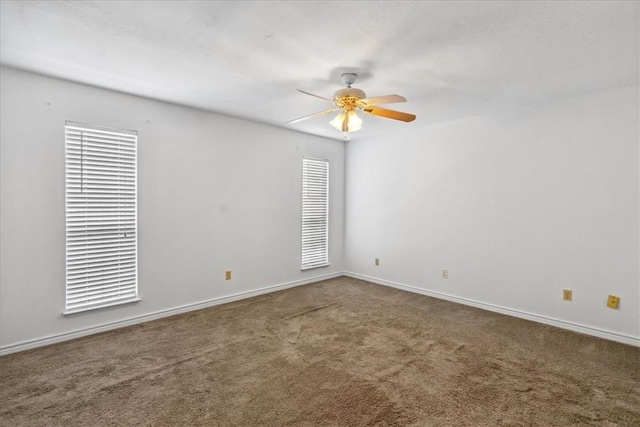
x=613, y=301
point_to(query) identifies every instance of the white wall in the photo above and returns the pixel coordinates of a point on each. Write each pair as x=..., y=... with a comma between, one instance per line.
x=214, y=194
x=517, y=206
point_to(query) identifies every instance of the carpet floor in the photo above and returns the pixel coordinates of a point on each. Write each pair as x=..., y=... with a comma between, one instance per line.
x=342, y=352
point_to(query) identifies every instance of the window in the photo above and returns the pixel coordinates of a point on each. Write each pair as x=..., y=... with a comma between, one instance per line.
x=315, y=213
x=101, y=229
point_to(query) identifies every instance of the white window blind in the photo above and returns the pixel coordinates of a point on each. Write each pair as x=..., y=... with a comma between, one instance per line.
x=101, y=229
x=315, y=213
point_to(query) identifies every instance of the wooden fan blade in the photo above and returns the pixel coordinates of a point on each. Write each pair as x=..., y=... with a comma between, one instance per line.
x=319, y=113
x=386, y=99
x=390, y=114
x=317, y=96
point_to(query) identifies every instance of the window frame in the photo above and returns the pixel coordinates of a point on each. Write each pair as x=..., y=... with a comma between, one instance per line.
x=101, y=217
x=315, y=254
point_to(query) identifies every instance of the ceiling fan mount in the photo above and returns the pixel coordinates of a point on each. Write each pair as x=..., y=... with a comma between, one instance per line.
x=348, y=79
x=349, y=100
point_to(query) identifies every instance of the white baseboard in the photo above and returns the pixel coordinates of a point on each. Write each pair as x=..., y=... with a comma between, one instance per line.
x=588, y=330
x=40, y=342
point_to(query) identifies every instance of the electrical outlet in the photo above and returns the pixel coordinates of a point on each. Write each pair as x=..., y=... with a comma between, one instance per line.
x=567, y=294
x=444, y=274
x=227, y=275
x=613, y=301
x=377, y=261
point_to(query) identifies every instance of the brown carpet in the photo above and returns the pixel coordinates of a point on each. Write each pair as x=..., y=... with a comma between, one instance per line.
x=341, y=352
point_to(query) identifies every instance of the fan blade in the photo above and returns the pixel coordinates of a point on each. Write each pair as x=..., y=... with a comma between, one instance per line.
x=386, y=99
x=390, y=114
x=317, y=96
x=319, y=113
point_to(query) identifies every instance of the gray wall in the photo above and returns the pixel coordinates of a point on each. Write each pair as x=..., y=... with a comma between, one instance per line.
x=516, y=205
x=214, y=194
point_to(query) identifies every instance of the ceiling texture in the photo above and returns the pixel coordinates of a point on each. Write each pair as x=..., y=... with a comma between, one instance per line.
x=246, y=59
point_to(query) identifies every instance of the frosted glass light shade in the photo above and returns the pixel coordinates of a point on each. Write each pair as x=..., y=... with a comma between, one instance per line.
x=337, y=121
x=354, y=123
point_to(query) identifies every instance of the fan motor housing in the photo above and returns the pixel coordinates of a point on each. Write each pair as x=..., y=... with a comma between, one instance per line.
x=347, y=97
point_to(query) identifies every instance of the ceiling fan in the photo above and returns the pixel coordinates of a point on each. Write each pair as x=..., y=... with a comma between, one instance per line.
x=350, y=99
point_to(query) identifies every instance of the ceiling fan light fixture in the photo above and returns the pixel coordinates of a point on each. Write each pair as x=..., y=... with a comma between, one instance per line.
x=349, y=100
x=354, y=123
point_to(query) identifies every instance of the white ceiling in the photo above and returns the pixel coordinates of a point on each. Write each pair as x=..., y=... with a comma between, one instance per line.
x=246, y=59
